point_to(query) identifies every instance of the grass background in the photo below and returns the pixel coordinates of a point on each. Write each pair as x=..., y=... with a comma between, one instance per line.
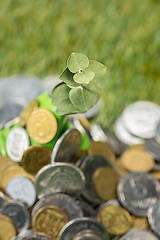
x=36, y=37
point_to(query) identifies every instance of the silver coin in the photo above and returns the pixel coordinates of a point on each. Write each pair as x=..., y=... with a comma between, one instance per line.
x=50, y=82
x=88, y=210
x=67, y=146
x=138, y=234
x=89, y=165
x=158, y=132
x=153, y=148
x=154, y=217
x=59, y=177
x=30, y=235
x=113, y=202
x=21, y=188
x=141, y=118
x=80, y=225
x=18, y=213
x=124, y=135
x=88, y=236
x=137, y=192
x=17, y=142
x=63, y=201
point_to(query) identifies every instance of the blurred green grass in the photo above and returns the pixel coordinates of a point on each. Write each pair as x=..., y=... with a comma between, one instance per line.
x=36, y=37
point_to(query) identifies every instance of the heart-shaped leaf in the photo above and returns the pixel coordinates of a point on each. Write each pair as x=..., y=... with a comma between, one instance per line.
x=98, y=68
x=84, y=97
x=77, y=61
x=60, y=98
x=85, y=77
x=67, y=77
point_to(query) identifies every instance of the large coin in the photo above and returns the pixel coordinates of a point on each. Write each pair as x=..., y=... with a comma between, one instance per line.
x=18, y=213
x=59, y=177
x=105, y=182
x=137, y=192
x=138, y=234
x=63, y=201
x=36, y=157
x=89, y=165
x=116, y=219
x=17, y=142
x=42, y=125
x=7, y=228
x=67, y=146
x=21, y=188
x=81, y=225
x=154, y=217
x=153, y=148
x=141, y=118
x=49, y=220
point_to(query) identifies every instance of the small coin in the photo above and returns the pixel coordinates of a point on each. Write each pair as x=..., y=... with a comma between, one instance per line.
x=61, y=200
x=138, y=234
x=18, y=213
x=137, y=192
x=141, y=118
x=89, y=165
x=116, y=219
x=5, y=163
x=27, y=111
x=42, y=125
x=21, y=188
x=105, y=183
x=153, y=217
x=82, y=225
x=36, y=157
x=139, y=146
x=140, y=223
x=137, y=160
x=7, y=228
x=153, y=148
x=67, y=147
x=49, y=220
x=59, y=177
x=17, y=142
x=112, y=202
x=156, y=174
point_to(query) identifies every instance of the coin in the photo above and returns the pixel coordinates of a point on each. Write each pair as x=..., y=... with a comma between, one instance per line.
x=153, y=148
x=138, y=234
x=18, y=213
x=153, y=217
x=121, y=171
x=21, y=188
x=27, y=111
x=157, y=137
x=49, y=220
x=156, y=174
x=105, y=183
x=81, y=225
x=8, y=229
x=139, y=146
x=140, y=223
x=59, y=177
x=5, y=163
x=137, y=192
x=89, y=165
x=67, y=146
x=87, y=236
x=116, y=219
x=61, y=200
x=2, y=199
x=88, y=210
x=141, y=118
x=36, y=157
x=17, y=142
x=112, y=202
x=30, y=235
x=137, y=160
x=42, y=125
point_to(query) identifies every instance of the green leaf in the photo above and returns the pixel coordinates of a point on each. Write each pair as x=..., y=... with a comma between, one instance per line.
x=84, y=97
x=67, y=77
x=60, y=98
x=98, y=68
x=85, y=77
x=77, y=61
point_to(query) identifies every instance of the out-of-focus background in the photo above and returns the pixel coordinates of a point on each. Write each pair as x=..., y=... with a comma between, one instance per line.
x=36, y=37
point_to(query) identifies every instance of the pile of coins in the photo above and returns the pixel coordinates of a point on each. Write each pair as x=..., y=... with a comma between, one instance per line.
x=52, y=189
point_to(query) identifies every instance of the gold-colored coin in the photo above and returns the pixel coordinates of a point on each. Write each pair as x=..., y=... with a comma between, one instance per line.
x=105, y=182
x=137, y=160
x=42, y=125
x=27, y=111
x=7, y=228
x=49, y=220
x=141, y=223
x=116, y=219
x=139, y=146
x=36, y=157
x=121, y=171
x=156, y=174
x=5, y=163
x=12, y=172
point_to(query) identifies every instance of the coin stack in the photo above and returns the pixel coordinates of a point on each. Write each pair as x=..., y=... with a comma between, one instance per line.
x=52, y=189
